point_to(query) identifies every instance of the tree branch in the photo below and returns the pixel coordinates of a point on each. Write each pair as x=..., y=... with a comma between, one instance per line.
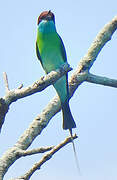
x=40, y=85
x=45, y=158
x=35, y=151
x=101, y=80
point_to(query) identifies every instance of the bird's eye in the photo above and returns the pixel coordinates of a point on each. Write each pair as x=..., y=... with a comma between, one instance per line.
x=43, y=17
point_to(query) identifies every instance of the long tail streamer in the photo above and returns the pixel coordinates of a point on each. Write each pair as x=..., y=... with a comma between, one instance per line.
x=75, y=154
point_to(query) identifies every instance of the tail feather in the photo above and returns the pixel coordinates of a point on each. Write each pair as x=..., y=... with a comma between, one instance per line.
x=75, y=153
x=68, y=121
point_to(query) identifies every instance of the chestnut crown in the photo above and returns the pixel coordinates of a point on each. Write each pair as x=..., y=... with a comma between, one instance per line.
x=46, y=15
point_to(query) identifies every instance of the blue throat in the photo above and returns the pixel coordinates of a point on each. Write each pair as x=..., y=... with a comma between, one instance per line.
x=46, y=26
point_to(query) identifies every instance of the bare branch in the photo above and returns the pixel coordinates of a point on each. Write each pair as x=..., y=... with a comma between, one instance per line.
x=35, y=151
x=81, y=73
x=45, y=158
x=101, y=80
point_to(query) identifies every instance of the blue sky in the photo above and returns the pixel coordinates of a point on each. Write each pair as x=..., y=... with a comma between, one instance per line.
x=93, y=106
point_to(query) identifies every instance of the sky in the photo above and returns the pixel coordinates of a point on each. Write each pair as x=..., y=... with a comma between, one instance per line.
x=93, y=106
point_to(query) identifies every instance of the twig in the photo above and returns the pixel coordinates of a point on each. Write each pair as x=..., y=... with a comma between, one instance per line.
x=5, y=77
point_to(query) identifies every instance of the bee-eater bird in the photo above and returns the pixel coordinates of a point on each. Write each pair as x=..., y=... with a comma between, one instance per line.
x=51, y=53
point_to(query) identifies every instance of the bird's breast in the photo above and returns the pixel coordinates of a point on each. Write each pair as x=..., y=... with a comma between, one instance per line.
x=50, y=51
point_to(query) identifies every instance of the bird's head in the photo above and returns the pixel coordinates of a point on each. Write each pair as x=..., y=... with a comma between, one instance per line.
x=47, y=16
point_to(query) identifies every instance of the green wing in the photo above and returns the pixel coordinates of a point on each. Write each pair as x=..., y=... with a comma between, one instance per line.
x=62, y=47
x=63, y=50
x=38, y=54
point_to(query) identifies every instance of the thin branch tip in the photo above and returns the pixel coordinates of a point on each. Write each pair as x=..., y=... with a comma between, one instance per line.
x=5, y=77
